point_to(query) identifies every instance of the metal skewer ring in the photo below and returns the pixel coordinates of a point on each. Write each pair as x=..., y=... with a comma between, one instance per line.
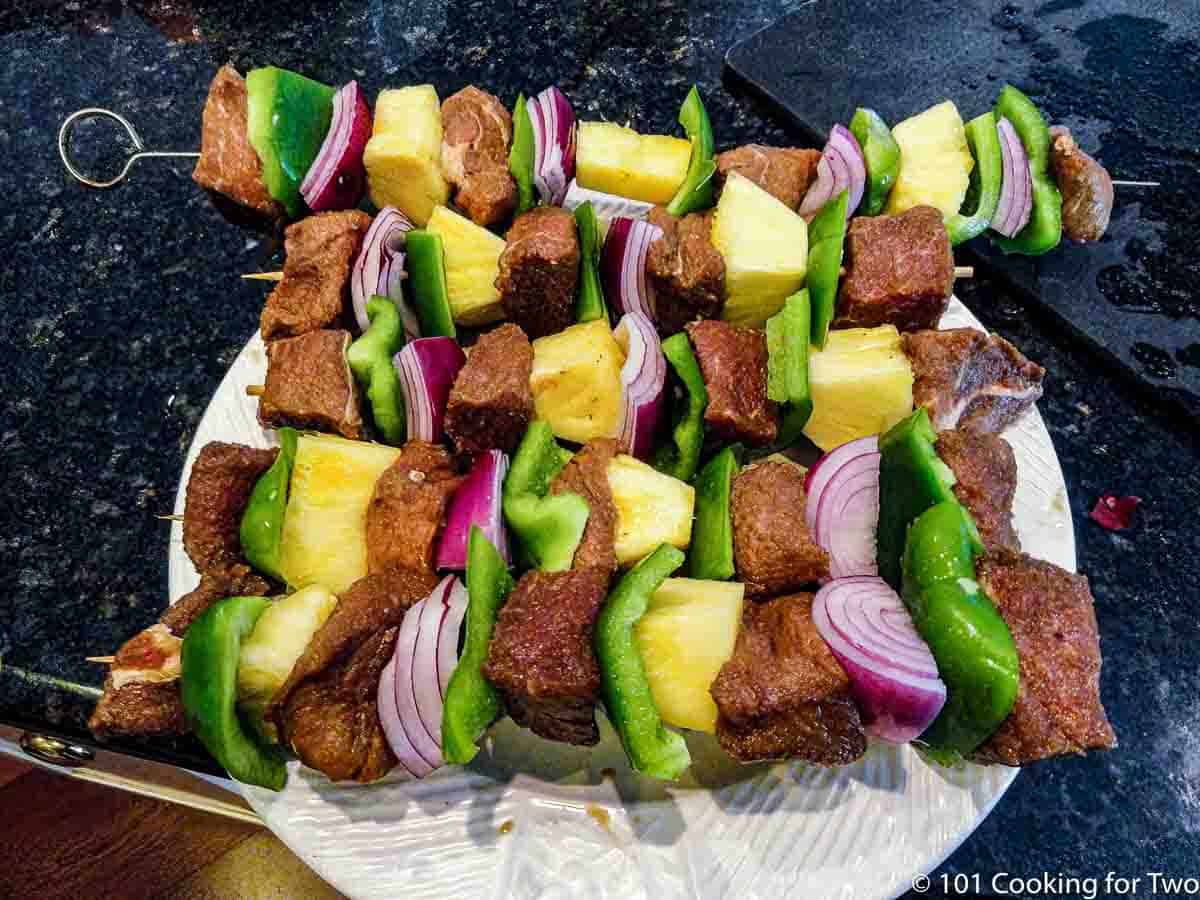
x=91, y=112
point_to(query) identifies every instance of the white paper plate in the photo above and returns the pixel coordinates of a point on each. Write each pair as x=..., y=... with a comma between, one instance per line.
x=532, y=819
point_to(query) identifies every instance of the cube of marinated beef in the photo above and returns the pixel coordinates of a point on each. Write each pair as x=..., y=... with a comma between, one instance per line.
x=228, y=164
x=971, y=379
x=1050, y=613
x=686, y=273
x=476, y=134
x=313, y=294
x=408, y=509
x=772, y=549
x=237, y=580
x=587, y=475
x=309, y=385
x=1085, y=185
x=539, y=269
x=783, y=172
x=218, y=488
x=733, y=362
x=541, y=657
x=783, y=694
x=986, y=473
x=491, y=405
x=899, y=271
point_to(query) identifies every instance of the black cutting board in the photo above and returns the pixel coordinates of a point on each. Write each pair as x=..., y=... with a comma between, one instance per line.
x=1123, y=75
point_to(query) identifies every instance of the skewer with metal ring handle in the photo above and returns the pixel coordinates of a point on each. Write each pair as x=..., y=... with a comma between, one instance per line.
x=91, y=112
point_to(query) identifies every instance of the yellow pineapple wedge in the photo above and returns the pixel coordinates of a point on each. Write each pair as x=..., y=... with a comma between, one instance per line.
x=472, y=266
x=652, y=508
x=684, y=638
x=935, y=162
x=765, y=247
x=618, y=160
x=404, y=155
x=861, y=384
x=576, y=381
x=324, y=538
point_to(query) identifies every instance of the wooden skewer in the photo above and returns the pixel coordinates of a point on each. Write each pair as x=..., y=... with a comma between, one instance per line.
x=105, y=660
x=263, y=276
x=170, y=518
x=1135, y=184
x=964, y=271
x=255, y=390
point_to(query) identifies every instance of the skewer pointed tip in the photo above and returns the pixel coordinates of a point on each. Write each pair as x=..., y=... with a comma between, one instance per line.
x=263, y=276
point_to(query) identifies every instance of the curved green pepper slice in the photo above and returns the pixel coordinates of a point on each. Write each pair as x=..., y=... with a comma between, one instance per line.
x=590, y=303
x=208, y=687
x=651, y=747
x=827, y=241
x=370, y=359
x=425, y=259
x=986, y=178
x=1044, y=230
x=710, y=554
x=472, y=703
x=787, y=363
x=882, y=155
x=696, y=193
x=520, y=156
x=680, y=458
x=261, y=528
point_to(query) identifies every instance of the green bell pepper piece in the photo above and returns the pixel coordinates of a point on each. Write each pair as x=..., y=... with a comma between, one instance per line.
x=681, y=457
x=970, y=642
x=261, y=528
x=826, y=242
x=520, y=156
x=882, y=155
x=287, y=118
x=590, y=303
x=425, y=259
x=651, y=747
x=472, y=703
x=787, y=364
x=547, y=527
x=1044, y=230
x=696, y=193
x=986, y=177
x=370, y=359
x=208, y=687
x=710, y=555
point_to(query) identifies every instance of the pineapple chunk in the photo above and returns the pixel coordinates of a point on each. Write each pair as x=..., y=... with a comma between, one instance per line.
x=684, y=638
x=861, y=384
x=618, y=160
x=472, y=267
x=765, y=247
x=935, y=162
x=652, y=508
x=268, y=654
x=324, y=538
x=576, y=381
x=404, y=155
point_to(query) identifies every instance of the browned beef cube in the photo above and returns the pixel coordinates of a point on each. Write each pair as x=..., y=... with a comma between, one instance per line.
x=783, y=172
x=491, y=404
x=685, y=271
x=587, y=475
x=733, y=362
x=313, y=294
x=986, y=473
x=539, y=269
x=783, y=694
x=220, y=483
x=899, y=271
x=228, y=164
x=141, y=692
x=1050, y=614
x=1086, y=187
x=309, y=385
x=408, y=509
x=971, y=379
x=237, y=580
x=476, y=134
x=541, y=657
x=772, y=550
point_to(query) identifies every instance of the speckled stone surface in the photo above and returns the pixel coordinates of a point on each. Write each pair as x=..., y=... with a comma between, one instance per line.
x=122, y=309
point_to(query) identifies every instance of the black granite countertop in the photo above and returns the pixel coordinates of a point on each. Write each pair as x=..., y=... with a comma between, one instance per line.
x=122, y=309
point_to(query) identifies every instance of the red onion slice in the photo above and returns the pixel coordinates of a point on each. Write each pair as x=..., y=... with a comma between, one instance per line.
x=379, y=269
x=427, y=369
x=447, y=654
x=623, y=266
x=842, y=168
x=643, y=378
x=409, y=759
x=426, y=685
x=893, y=676
x=607, y=206
x=476, y=502
x=337, y=177
x=553, y=123
x=1016, y=190
x=841, y=509
x=426, y=749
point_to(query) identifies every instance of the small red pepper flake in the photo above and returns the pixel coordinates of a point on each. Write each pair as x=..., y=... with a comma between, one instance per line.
x=1113, y=512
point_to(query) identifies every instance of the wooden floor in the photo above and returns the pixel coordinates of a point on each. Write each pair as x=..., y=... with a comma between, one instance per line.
x=70, y=839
